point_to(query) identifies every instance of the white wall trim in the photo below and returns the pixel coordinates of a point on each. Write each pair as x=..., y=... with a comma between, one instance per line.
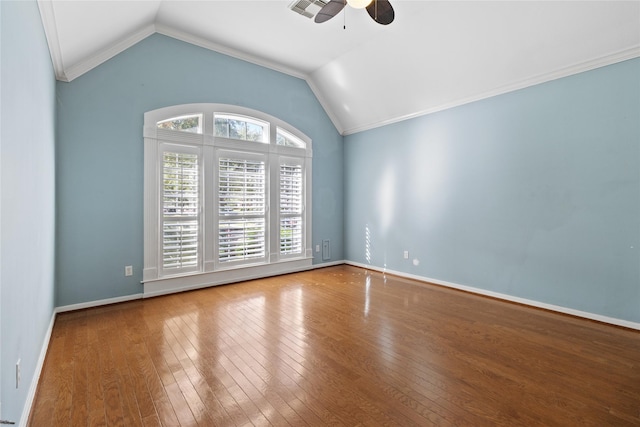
x=68, y=74
x=104, y=55
x=48, y=16
x=578, y=68
x=222, y=277
x=225, y=50
x=97, y=303
x=505, y=297
x=33, y=387
x=107, y=301
x=298, y=269
x=206, y=281
x=326, y=264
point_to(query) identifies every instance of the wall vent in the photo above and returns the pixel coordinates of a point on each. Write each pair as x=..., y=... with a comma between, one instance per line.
x=308, y=8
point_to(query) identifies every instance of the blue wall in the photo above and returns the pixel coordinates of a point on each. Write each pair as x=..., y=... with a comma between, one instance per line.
x=534, y=194
x=99, y=154
x=26, y=197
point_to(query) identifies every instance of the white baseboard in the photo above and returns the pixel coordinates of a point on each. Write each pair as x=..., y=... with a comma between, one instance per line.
x=33, y=387
x=479, y=291
x=327, y=264
x=506, y=297
x=97, y=303
x=227, y=277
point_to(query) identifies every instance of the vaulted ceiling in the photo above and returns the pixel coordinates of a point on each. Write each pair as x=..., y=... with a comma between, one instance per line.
x=435, y=55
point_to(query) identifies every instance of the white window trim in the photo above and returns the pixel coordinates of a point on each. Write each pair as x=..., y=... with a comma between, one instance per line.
x=211, y=271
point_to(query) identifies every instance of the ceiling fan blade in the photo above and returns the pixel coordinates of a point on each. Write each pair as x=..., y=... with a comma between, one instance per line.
x=381, y=11
x=330, y=10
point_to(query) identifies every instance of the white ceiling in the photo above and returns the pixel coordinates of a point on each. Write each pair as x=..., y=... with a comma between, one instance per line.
x=435, y=55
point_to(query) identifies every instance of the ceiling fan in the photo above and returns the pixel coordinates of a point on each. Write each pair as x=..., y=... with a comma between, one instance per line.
x=380, y=10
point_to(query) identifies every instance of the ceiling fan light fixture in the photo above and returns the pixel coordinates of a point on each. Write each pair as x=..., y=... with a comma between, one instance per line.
x=380, y=11
x=359, y=4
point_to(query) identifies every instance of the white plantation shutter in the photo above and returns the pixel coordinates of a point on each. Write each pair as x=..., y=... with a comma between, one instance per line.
x=180, y=210
x=291, y=207
x=227, y=194
x=242, y=196
x=179, y=244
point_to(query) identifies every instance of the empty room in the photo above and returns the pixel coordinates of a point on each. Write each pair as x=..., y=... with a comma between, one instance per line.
x=319, y=212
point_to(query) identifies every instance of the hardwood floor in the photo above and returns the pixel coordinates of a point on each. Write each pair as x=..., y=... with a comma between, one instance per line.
x=335, y=346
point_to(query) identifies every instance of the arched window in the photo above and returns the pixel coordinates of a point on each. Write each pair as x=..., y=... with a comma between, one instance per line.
x=227, y=197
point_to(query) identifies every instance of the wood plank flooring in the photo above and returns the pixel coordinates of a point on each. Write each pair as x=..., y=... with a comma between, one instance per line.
x=336, y=346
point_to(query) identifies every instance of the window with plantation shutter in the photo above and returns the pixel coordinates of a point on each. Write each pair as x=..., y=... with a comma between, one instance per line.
x=180, y=211
x=227, y=196
x=291, y=207
x=242, y=199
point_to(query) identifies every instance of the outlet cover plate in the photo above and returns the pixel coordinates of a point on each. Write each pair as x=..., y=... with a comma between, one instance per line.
x=326, y=250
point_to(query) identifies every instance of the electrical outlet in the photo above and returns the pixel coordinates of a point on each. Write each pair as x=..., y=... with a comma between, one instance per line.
x=128, y=270
x=406, y=254
x=317, y=248
x=18, y=373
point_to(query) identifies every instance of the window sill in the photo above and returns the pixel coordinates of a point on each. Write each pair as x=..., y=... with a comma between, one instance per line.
x=197, y=280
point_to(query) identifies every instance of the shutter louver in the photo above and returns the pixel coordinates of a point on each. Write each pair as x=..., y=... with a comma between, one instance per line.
x=180, y=244
x=291, y=206
x=180, y=206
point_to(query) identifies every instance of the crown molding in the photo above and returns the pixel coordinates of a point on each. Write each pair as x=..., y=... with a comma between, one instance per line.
x=69, y=73
x=581, y=67
x=48, y=16
x=216, y=47
x=225, y=50
x=104, y=55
